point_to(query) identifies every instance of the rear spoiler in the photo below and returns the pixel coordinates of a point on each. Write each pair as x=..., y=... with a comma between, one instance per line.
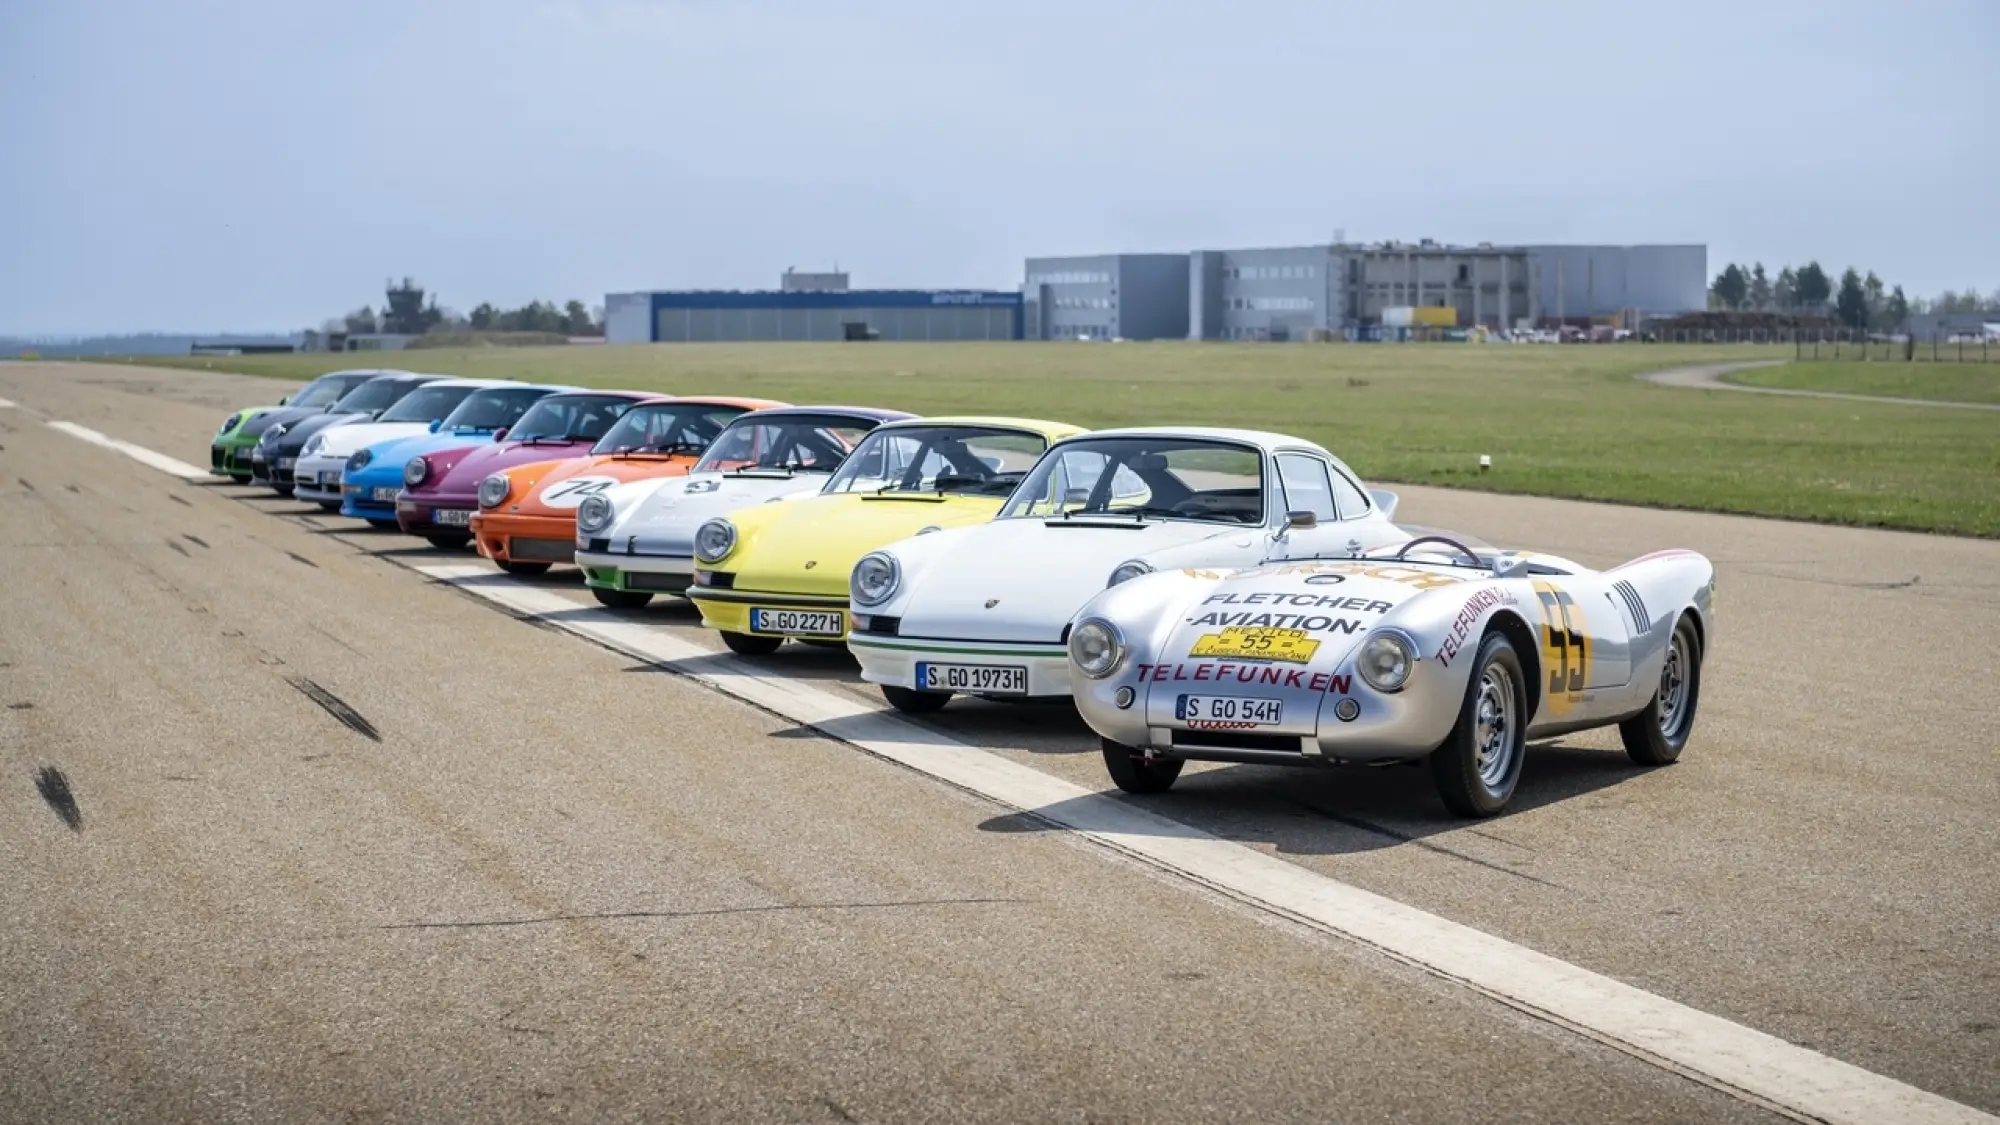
x=1385, y=502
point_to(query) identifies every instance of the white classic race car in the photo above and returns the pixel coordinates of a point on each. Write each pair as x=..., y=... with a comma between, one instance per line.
x=1443, y=648
x=636, y=539
x=985, y=610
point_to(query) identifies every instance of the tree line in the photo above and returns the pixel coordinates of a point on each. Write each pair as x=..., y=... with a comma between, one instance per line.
x=408, y=310
x=1857, y=300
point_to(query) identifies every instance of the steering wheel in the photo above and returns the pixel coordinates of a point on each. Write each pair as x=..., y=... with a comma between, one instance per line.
x=1449, y=542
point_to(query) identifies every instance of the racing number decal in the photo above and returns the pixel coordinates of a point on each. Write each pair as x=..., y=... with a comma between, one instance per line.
x=571, y=493
x=1565, y=647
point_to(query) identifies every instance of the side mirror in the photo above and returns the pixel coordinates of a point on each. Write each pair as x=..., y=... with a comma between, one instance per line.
x=500, y=434
x=284, y=400
x=1301, y=520
x=437, y=424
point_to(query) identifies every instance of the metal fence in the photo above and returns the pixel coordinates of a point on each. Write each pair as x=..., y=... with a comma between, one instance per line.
x=1907, y=349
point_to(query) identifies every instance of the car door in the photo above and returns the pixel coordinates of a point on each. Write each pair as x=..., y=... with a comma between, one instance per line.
x=1586, y=642
x=1306, y=484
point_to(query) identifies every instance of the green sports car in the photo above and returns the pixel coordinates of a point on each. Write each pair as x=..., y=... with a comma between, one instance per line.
x=229, y=451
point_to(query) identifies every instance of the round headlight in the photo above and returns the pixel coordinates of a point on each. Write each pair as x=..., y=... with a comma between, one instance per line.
x=1096, y=648
x=1386, y=660
x=493, y=490
x=228, y=424
x=714, y=539
x=313, y=445
x=415, y=470
x=359, y=460
x=593, y=515
x=874, y=579
x=1128, y=571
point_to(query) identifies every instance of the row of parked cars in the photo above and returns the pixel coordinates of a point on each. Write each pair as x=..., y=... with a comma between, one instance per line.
x=1199, y=593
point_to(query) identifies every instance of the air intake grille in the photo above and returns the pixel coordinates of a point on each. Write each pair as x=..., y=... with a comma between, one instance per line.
x=1634, y=605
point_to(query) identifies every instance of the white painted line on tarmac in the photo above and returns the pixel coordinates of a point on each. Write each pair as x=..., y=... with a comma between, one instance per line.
x=138, y=453
x=6, y=404
x=1746, y=1063
x=1741, y=1061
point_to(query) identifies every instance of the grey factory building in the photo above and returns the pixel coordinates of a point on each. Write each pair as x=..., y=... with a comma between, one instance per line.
x=810, y=307
x=1343, y=289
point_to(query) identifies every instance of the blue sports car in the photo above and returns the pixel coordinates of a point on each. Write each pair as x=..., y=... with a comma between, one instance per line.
x=375, y=474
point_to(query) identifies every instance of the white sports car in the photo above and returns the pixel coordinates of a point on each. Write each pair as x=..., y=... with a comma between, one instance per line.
x=985, y=610
x=1442, y=648
x=636, y=539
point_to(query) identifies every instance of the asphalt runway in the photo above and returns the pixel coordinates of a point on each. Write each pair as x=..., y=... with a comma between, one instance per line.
x=295, y=830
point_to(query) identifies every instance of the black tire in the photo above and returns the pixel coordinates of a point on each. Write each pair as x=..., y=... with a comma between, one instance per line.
x=328, y=505
x=1478, y=765
x=1131, y=772
x=284, y=490
x=385, y=525
x=744, y=644
x=449, y=541
x=621, y=599
x=913, y=702
x=525, y=569
x=1655, y=736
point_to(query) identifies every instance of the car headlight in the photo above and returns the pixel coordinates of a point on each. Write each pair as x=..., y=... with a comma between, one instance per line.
x=359, y=460
x=493, y=490
x=874, y=579
x=1128, y=571
x=314, y=444
x=1096, y=648
x=1386, y=660
x=415, y=470
x=714, y=540
x=593, y=515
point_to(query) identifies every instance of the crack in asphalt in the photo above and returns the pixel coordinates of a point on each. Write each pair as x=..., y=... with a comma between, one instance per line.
x=54, y=788
x=1420, y=842
x=618, y=915
x=337, y=707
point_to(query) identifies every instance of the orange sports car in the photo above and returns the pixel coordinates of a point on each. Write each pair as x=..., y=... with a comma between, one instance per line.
x=527, y=514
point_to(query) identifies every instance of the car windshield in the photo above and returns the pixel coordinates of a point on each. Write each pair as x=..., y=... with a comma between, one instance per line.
x=328, y=389
x=376, y=394
x=813, y=443
x=982, y=460
x=493, y=407
x=426, y=404
x=570, y=418
x=667, y=428
x=1145, y=478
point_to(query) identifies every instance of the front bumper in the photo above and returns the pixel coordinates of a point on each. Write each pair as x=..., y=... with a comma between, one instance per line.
x=731, y=610
x=518, y=538
x=230, y=457
x=894, y=661
x=419, y=515
x=652, y=574
x=318, y=479
x=370, y=496
x=273, y=475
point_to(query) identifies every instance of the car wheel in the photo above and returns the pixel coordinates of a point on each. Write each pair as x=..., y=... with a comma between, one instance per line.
x=621, y=599
x=1132, y=772
x=449, y=542
x=1479, y=763
x=913, y=702
x=743, y=644
x=284, y=490
x=328, y=505
x=525, y=569
x=1654, y=737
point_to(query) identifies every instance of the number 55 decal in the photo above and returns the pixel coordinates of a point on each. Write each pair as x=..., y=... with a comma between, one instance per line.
x=1565, y=647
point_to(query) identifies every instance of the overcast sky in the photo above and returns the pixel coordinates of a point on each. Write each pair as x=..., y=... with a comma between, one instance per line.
x=210, y=165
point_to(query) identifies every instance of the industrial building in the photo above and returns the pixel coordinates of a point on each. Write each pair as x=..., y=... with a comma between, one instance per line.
x=811, y=307
x=1347, y=290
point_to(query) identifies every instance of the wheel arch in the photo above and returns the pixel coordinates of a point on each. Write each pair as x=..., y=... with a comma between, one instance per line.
x=1522, y=636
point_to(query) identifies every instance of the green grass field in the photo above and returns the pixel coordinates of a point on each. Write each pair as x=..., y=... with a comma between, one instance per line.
x=1557, y=421
x=1939, y=382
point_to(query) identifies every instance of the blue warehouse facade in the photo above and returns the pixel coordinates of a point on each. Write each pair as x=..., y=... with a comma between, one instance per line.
x=744, y=316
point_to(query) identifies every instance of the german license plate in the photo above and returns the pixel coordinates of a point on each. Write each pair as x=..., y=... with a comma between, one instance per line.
x=452, y=517
x=257, y=458
x=287, y=462
x=1227, y=712
x=798, y=622
x=387, y=495
x=996, y=679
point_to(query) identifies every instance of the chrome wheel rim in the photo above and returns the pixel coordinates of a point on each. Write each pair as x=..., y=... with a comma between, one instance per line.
x=1494, y=721
x=1674, y=686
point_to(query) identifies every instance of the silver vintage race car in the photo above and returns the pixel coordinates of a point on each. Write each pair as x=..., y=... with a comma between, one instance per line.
x=1442, y=647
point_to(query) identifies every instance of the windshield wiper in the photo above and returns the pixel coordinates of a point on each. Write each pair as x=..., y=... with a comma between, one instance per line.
x=1138, y=514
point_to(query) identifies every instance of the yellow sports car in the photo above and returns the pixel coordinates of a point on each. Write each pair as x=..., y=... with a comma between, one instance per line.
x=779, y=569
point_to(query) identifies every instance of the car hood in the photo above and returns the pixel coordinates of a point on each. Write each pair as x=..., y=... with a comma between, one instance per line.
x=1023, y=579
x=664, y=522
x=458, y=471
x=565, y=484
x=387, y=458
x=292, y=441
x=273, y=416
x=344, y=440
x=809, y=546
